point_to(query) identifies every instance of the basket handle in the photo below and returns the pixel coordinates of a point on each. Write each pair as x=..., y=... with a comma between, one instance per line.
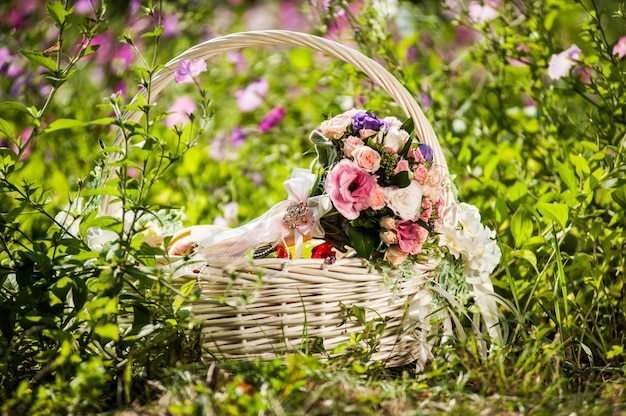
x=374, y=71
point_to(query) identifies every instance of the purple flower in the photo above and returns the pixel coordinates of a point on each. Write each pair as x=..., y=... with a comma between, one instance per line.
x=252, y=96
x=238, y=136
x=188, y=69
x=122, y=59
x=8, y=64
x=620, y=47
x=272, y=118
x=366, y=120
x=560, y=64
x=426, y=151
x=171, y=25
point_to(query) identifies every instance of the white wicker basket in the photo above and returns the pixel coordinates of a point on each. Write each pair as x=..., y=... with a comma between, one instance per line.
x=292, y=302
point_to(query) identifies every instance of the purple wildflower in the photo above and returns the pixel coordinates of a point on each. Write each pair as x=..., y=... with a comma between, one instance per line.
x=426, y=151
x=272, y=118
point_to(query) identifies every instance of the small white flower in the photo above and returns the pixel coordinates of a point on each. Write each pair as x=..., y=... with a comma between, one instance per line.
x=405, y=202
x=396, y=138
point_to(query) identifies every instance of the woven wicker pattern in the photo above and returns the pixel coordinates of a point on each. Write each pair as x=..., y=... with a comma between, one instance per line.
x=290, y=302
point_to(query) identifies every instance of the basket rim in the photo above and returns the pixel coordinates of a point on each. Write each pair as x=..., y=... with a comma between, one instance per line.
x=375, y=71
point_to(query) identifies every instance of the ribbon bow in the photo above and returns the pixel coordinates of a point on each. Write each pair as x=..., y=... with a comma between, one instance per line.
x=297, y=217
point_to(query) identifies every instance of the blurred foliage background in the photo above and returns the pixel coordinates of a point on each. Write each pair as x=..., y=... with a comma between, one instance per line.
x=540, y=153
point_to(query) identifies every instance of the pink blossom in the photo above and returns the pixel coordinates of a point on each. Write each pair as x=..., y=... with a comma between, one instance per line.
x=122, y=59
x=349, y=188
x=171, y=25
x=416, y=154
x=403, y=166
x=427, y=206
x=180, y=110
x=420, y=174
x=252, y=96
x=411, y=236
x=482, y=13
x=188, y=69
x=620, y=47
x=350, y=144
x=272, y=118
x=84, y=6
x=238, y=59
x=560, y=64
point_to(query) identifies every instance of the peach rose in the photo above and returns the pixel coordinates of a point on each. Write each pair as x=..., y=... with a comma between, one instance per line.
x=351, y=143
x=366, y=158
x=335, y=127
x=395, y=256
x=378, y=199
x=388, y=223
x=389, y=237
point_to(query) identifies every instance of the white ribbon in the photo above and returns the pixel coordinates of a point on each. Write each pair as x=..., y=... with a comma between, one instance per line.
x=297, y=217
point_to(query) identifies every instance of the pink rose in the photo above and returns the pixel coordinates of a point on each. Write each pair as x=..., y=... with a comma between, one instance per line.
x=403, y=166
x=378, y=199
x=411, y=236
x=365, y=133
x=350, y=144
x=427, y=206
x=366, y=158
x=432, y=186
x=349, y=188
x=416, y=154
x=388, y=223
x=389, y=237
x=420, y=174
x=395, y=256
x=336, y=126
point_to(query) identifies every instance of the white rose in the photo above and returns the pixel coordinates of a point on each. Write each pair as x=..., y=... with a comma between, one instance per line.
x=405, y=202
x=396, y=139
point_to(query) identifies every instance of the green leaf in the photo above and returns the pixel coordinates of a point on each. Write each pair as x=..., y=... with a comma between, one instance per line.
x=556, y=212
x=521, y=226
x=301, y=58
x=401, y=179
x=7, y=129
x=69, y=123
x=64, y=123
x=13, y=106
x=619, y=196
x=57, y=11
x=40, y=59
x=567, y=176
x=109, y=331
x=363, y=241
x=408, y=126
x=581, y=165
